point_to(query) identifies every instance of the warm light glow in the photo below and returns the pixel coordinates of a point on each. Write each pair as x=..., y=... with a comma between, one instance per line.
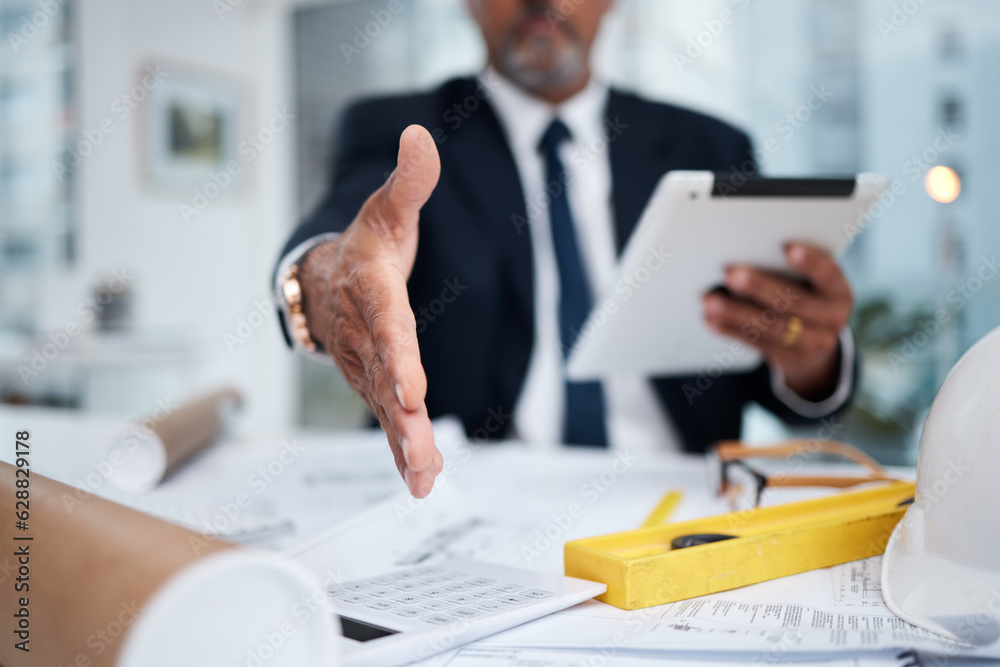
x=943, y=184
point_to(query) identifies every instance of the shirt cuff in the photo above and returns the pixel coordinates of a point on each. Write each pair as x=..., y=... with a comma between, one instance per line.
x=816, y=409
x=295, y=256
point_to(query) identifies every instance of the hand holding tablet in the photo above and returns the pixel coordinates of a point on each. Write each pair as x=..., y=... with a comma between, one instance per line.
x=705, y=231
x=795, y=324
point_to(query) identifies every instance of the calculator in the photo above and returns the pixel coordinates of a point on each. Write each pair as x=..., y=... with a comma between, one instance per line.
x=415, y=613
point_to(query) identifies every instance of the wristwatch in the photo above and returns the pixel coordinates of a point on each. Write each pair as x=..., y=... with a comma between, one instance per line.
x=298, y=327
x=288, y=292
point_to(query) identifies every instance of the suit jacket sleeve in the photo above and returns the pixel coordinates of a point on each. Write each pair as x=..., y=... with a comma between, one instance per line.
x=365, y=156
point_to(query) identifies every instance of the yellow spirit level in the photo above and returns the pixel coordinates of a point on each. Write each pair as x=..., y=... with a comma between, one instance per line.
x=642, y=569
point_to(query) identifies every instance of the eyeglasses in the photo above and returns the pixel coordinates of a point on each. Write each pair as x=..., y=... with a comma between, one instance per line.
x=743, y=485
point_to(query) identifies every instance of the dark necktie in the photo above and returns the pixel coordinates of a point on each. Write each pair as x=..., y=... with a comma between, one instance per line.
x=584, y=417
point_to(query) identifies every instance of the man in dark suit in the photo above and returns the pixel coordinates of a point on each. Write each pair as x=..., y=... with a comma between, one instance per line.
x=525, y=183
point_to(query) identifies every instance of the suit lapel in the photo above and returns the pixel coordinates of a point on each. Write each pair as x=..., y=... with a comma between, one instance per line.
x=483, y=167
x=638, y=159
x=478, y=158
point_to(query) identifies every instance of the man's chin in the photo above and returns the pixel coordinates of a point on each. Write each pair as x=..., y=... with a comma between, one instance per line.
x=544, y=73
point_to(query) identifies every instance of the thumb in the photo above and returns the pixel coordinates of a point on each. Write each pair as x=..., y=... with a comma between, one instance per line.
x=418, y=167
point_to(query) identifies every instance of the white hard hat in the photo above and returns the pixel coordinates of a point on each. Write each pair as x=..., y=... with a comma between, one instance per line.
x=941, y=569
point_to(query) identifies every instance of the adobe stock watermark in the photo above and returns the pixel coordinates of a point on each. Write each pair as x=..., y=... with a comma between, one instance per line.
x=794, y=463
x=561, y=12
x=30, y=26
x=581, y=159
x=120, y=111
x=626, y=287
x=900, y=15
x=446, y=638
x=456, y=115
x=914, y=168
x=257, y=483
x=364, y=35
x=908, y=347
x=58, y=340
x=930, y=494
x=435, y=308
x=786, y=127
x=712, y=29
x=635, y=623
x=976, y=629
x=135, y=435
x=590, y=492
x=7, y=568
x=269, y=644
x=225, y=7
x=249, y=150
x=315, y=602
x=273, y=640
x=796, y=119
x=461, y=452
x=752, y=331
x=102, y=639
x=917, y=165
x=787, y=639
x=246, y=326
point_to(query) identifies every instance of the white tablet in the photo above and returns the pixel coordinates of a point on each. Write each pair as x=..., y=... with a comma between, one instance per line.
x=651, y=319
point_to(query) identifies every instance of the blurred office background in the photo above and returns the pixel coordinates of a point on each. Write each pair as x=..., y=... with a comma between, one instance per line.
x=154, y=156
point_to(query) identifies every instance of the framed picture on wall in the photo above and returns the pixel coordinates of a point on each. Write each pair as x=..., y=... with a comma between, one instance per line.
x=193, y=127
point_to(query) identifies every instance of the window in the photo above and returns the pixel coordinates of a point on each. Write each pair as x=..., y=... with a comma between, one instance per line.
x=952, y=46
x=952, y=112
x=821, y=84
x=35, y=232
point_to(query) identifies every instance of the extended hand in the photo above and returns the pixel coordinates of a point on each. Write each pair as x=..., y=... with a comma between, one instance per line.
x=357, y=307
x=796, y=326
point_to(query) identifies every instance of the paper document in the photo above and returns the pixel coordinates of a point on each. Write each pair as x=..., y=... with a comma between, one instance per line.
x=475, y=656
x=274, y=492
x=814, y=613
x=523, y=517
x=858, y=584
x=401, y=532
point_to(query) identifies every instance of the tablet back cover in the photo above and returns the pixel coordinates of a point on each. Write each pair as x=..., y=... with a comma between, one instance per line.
x=651, y=319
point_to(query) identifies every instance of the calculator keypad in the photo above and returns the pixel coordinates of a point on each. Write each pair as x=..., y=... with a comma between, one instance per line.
x=436, y=597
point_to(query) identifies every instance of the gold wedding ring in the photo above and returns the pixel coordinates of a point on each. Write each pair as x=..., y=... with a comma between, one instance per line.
x=793, y=331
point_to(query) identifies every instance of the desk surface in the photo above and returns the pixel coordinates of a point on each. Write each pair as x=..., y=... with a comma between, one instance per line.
x=509, y=504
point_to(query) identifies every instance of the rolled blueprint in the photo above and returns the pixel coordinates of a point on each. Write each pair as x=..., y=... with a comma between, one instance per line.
x=143, y=454
x=91, y=582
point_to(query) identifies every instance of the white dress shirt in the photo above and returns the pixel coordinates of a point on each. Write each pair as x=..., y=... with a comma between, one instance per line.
x=634, y=416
